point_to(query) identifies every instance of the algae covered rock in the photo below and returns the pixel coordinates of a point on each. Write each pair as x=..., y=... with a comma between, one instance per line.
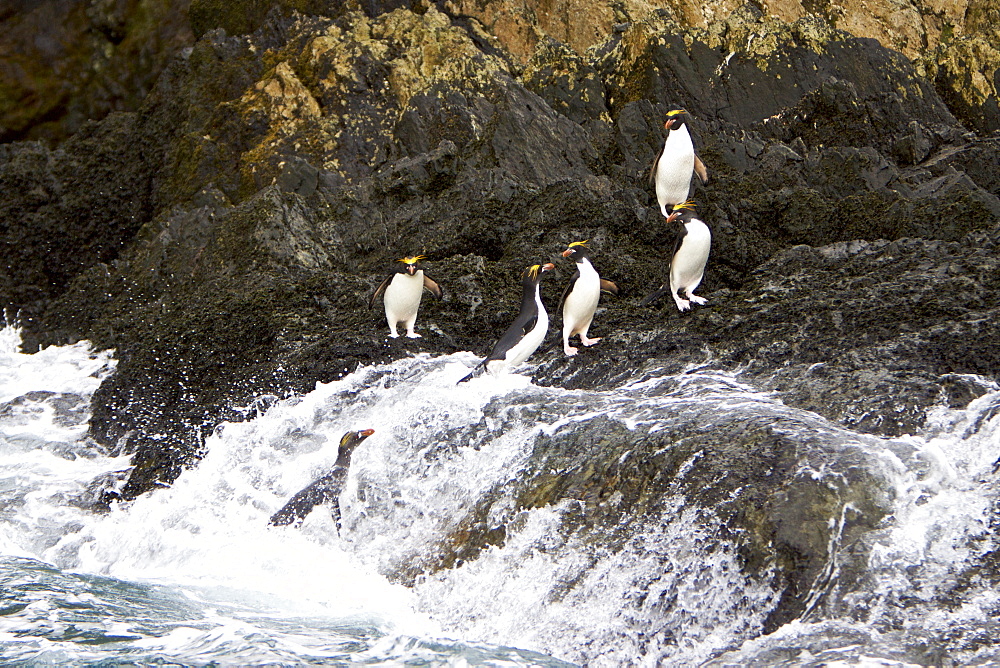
x=965, y=74
x=785, y=492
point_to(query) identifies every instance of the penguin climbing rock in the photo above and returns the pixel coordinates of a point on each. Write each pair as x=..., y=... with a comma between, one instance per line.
x=527, y=331
x=579, y=299
x=401, y=293
x=324, y=490
x=671, y=171
x=687, y=264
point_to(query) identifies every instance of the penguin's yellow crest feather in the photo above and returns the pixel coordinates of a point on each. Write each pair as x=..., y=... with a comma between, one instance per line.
x=684, y=205
x=579, y=243
x=674, y=112
x=411, y=260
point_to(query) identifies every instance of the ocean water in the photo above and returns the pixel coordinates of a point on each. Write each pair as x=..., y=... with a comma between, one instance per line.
x=193, y=575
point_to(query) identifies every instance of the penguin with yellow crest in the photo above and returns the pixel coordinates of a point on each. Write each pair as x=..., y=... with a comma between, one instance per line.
x=687, y=263
x=401, y=292
x=580, y=298
x=326, y=489
x=671, y=171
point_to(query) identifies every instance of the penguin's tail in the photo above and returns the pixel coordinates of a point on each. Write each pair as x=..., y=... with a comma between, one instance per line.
x=478, y=371
x=655, y=296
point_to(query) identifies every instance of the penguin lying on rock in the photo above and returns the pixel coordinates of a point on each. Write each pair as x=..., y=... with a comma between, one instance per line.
x=579, y=299
x=401, y=292
x=527, y=331
x=687, y=264
x=324, y=490
x=671, y=171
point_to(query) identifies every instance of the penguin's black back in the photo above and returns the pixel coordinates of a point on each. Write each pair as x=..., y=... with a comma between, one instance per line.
x=679, y=239
x=323, y=490
x=522, y=324
x=652, y=169
x=569, y=286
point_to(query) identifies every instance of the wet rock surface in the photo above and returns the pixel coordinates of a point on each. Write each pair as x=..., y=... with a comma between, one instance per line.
x=225, y=236
x=785, y=491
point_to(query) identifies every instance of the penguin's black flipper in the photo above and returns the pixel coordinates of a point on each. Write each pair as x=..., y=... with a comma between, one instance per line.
x=380, y=290
x=335, y=512
x=700, y=169
x=302, y=503
x=678, y=240
x=609, y=286
x=433, y=287
x=569, y=287
x=664, y=290
x=652, y=169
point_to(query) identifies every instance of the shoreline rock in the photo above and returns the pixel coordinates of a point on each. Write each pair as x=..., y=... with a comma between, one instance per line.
x=287, y=167
x=224, y=237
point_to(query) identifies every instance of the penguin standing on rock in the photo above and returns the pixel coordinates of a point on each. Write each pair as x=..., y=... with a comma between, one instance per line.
x=579, y=300
x=687, y=264
x=324, y=490
x=671, y=172
x=401, y=292
x=527, y=331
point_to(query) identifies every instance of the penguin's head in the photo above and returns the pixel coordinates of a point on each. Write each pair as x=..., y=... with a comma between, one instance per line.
x=351, y=440
x=533, y=274
x=577, y=250
x=675, y=119
x=682, y=212
x=410, y=264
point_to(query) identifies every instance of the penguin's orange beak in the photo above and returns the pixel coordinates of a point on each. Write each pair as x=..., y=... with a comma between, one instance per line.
x=673, y=216
x=411, y=269
x=365, y=433
x=548, y=266
x=670, y=122
x=568, y=252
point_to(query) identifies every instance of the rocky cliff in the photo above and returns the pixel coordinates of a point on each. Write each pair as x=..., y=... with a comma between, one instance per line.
x=224, y=234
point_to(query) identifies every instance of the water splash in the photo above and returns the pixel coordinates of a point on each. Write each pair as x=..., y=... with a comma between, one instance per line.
x=193, y=572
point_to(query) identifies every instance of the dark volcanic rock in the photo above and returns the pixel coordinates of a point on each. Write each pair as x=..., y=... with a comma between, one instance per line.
x=868, y=334
x=836, y=352
x=295, y=179
x=623, y=470
x=66, y=210
x=65, y=62
x=225, y=239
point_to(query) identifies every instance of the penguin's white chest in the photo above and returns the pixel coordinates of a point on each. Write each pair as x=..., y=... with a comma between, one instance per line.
x=402, y=296
x=674, y=169
x=581, y=302
x=688, y=265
